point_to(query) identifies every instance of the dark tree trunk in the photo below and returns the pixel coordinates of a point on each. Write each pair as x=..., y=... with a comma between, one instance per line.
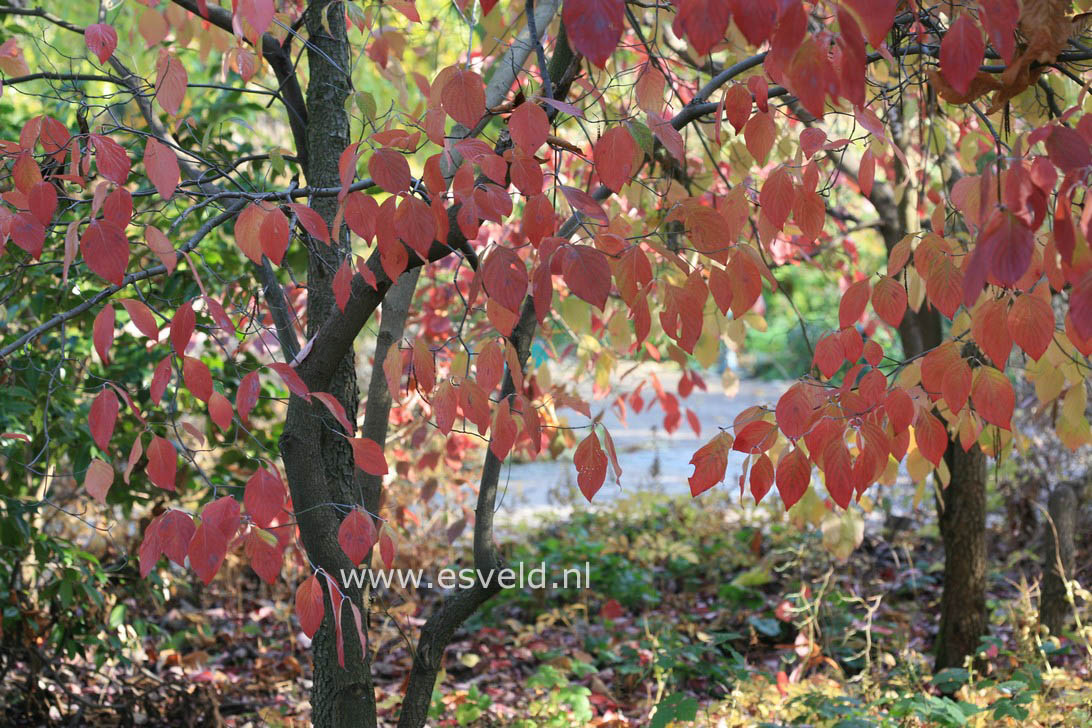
x=1059, y=555
x=961, y=506
x=961, y=510
x=317, y=458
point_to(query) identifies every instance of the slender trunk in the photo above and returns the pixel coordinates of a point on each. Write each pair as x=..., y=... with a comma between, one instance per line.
x=318, y=461
x=1059, y=555
x=961, y=509
x=961, y=506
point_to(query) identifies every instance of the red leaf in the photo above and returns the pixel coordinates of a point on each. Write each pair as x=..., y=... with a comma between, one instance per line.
x=529, y=126
x=591, y=466
x=1068, y=149
x=142, y=317
x=490, y=366
x=755, y=437
x=956, y=384
x=415, y=225
x=444, y=403
x=247, y=396
x=162, y=463
x=335, y=409
x=931, y=437
x=961, y=53
x=112, y=160
x=614, y=157
x=220, y=411
x=161, y=165
x=502, y=431
x=43, y=202
x=811, y=78
x=853, y=303
x=1011, y=243
x=424, y=367
x=704, y=23
x=759, y=134
x=594, y=27
x=356, y=535
x=1000, y=18
x=197, y=378
x=312, y=221
x=102, y=333
x=361, y=211
x=160, y=378
x=176, y=531
x=274, y=235
x=776, y=197
x=386, y=548
x=876, y=16
x=390, y=170
x=945, y=287
x=291, y=380
x=795, y=410
x=258, y=13
x=993, y=397
x=343, y=285
x=222, y=515
x=265, y=557
x=248, y=227
x=1080, y=307
x=649, y=89
x=207, y=551
x=584, y=203
x=829, y=355
x=900, y=409
x=668, y=135
x=106, y=250
x=463, y=97
x=866, y=172
x=102, y=417
x=762, y=477
x=28, y=232
x=101, y=40
x=793, y=476
x=991, y=332
x=264, y=497
x=504, y=277
x=1031, y=323
x=158, y=244
x=170, y=82
x=838, y=471
x=587, y=273
x=889, y=300
x=368, y=456
x=754, y=19
x=309, y=606
x=710, y=463
x=98, y=479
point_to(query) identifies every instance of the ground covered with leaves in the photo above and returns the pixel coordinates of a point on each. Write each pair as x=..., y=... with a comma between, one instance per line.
x=696, y=611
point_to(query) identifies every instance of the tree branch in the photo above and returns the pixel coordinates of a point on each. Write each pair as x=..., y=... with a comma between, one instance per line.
x=458, y=606
x=209, y=225
x=281, y=62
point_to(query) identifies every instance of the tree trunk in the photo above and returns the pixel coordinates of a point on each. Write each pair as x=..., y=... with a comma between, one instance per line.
x=961, y=510
x=962, y=505
x=1059, y=555
x=318, y=460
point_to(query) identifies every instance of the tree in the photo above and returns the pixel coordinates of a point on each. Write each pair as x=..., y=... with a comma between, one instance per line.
x=620, y=161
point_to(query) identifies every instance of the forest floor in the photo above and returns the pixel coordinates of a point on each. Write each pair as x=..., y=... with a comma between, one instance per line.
x=701, y=610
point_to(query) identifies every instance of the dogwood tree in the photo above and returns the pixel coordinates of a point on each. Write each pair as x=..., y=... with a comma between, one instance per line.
x=218, y=217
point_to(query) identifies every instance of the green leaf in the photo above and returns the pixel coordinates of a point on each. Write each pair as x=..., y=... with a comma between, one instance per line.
x=675, y=707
